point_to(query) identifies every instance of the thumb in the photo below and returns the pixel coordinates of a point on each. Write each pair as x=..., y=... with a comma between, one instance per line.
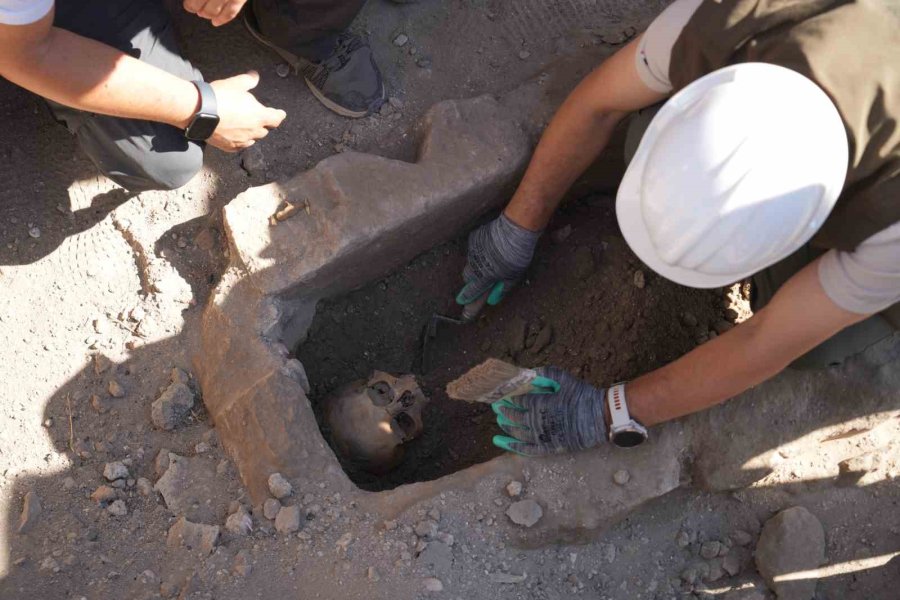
x=246, y=81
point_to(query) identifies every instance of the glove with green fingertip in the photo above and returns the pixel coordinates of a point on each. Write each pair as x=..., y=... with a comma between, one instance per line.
x=548, y=422
x=499, y=254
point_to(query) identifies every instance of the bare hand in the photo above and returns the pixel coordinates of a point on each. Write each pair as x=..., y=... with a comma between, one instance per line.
x=217, y=11
x=242, y=119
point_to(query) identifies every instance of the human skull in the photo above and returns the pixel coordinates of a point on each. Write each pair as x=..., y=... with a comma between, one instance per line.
x=371, y=420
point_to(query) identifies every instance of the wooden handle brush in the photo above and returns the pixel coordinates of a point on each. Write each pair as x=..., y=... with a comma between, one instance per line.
x=495, y=379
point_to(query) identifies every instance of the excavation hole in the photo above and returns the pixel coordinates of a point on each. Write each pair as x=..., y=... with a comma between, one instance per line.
x=581, y=308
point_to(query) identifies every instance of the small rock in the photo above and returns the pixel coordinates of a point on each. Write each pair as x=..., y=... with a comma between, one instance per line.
x=639, y=280
x=31, y=510
x=689, y=320
x=103, y=495
x=723, y=326
x=282, y=70
x=791, y=541
x=682, y=540
x=344, y=542
x=177, y=375
x=507, y=578
x=115, y=389
x=395, y=102
x=202, y=448
x=68, y=483
x=715, y=572
x=288, y=519
x=514, y=489
x=388, y=525
x=621, y=477
x=609, y=553
x=49, y=564
x=161, y=463
x=401, y=40
x=741, y=538
x=100, y=404
x=372, y=574
x=137, y=313
x=270, y=508
x=561, y=235
x=710, y=550
x=239, y=522
x=525, y=512
x=145, y=488
x=433, y=585
x=426, y=529
x=446, y=538
x=101, y=364
x=35, y=232
x=115, y=470
x=193, y=536
x=253, y=161
x=279, y=486
x=171, y=408
x=148, y=577
x=241, y=565
x=117, y=508
x=731, y=564
x=524, y=54
x=424, y=63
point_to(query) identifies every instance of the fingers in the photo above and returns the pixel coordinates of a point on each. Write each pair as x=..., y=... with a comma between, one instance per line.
x=498, y=292
x=511, y=417
x=273, y=117
x=218, y=12
x=473, y=290
x=193, y=6
x=228, y=12
x=245, y=81
x=517, y=447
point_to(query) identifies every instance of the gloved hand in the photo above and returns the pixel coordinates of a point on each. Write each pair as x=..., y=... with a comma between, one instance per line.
x=499, y=254
x=546, y=423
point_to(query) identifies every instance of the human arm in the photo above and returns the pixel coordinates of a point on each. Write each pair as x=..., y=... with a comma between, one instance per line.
x=91, y=76
x=800, y=316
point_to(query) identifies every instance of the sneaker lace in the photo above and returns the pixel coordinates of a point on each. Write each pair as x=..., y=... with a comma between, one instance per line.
x=347, y=44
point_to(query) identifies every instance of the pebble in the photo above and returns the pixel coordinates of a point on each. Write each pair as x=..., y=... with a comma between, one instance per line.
x=689, y=320
x=103, y=495
x=35, y=232
x=426, y=529
x=683, y=539
x=279, y=486
x=433, y=584
x=253, y=161
x=270, y=508
x=401, y=40
x=241, y=565
x=723, y=326
x=101, y=405
x=609, y=553
x=239, y=522
x=288, y=519
x=621, y=477
x=524, y=54
x=639, y=280
x=115, y=470
x=731, y=563
x=117, y=508
x=372, y=574
x=282, y=70
x=507, y=578
x=715, y=572
x=68, y=483
x=195, y=536
x=710, y=550
x=741, y=538
x=172, y=406
x=514, y=489
x=115, y=389
x=145, y=488
x=791, y=541
x=525, y=512
x=31, y=510
x=396, y=103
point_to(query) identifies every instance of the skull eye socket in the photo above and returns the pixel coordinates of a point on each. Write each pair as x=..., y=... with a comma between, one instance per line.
x=407, y=400
x=380, y=393
x=406, y=425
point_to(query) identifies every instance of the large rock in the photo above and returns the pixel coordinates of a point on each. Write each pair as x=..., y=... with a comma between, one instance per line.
x=193, y=536
x=31, y=510
x=792, y=545
x=172, y=406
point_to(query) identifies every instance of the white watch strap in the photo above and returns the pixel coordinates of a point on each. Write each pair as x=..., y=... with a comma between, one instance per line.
x=618, y=408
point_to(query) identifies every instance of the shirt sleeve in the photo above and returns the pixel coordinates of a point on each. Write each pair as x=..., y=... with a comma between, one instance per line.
x=655, y=48
x=23, y=12
x=866, y=280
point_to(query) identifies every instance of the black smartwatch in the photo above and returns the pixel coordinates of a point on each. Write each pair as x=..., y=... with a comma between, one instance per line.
x=206, y=120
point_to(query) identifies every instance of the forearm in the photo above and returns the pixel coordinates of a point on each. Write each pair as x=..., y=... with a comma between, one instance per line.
x=799, y=318
x=90, y=76
x=575, y=137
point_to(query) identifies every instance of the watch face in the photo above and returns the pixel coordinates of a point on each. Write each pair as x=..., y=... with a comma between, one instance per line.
x=202, y=127
x=628, y=439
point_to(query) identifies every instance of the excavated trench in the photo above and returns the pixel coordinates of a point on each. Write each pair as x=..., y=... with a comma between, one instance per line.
x=587, y=305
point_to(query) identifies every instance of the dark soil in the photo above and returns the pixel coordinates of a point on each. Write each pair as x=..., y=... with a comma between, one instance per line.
x=580, y=308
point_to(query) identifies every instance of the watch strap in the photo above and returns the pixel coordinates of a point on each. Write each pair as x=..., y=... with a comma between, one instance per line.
x=208, y=103
x=618, y=408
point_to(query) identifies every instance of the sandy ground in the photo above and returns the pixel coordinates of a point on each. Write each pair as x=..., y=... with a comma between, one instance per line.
x=79, y=260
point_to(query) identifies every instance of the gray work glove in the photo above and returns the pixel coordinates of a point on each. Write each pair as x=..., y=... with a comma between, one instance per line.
x=499, y=254
x=549, y=423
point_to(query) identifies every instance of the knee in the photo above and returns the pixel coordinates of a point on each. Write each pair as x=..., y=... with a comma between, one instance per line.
x=172, y=170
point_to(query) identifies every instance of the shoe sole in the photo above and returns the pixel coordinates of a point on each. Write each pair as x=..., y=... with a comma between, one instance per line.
x=297, y=63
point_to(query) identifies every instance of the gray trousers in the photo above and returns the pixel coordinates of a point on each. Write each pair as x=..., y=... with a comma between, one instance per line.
x=766, y=283
x=145, y=155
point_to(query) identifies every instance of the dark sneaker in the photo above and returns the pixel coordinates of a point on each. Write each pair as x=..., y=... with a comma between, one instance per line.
x=347, y=82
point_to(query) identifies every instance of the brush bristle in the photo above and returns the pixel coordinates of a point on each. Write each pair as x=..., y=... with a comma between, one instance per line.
x=482, y=380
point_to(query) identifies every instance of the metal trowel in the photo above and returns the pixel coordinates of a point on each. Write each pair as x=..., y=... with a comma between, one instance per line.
x=469, y=313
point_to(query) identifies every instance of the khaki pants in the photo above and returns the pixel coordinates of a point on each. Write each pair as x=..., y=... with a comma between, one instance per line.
x=766, y=283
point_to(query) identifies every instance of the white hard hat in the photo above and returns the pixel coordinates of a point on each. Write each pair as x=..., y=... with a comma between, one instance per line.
x=735, y=172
